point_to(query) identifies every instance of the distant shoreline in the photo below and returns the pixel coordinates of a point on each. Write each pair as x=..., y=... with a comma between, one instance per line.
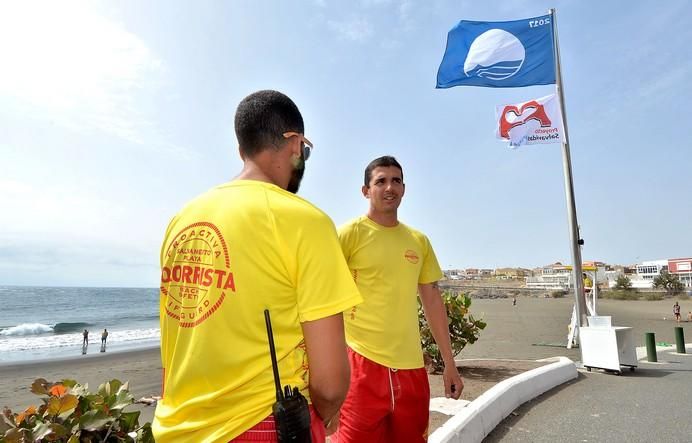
x=110, y=353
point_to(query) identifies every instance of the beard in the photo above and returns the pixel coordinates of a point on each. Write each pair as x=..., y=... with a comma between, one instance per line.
x=296, y=177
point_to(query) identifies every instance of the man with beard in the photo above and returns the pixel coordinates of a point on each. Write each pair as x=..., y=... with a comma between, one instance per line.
x=234, y=251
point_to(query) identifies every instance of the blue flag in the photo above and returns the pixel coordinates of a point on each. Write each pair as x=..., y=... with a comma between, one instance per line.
x=499, y=54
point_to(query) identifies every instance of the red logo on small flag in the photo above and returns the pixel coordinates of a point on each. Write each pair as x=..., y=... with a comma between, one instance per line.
x=533, y=111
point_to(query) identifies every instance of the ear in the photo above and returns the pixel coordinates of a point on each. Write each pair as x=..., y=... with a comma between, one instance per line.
x=366, y=191
x=240, y=152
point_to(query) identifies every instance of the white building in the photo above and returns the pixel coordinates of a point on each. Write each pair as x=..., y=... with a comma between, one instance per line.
x=682, y=267
x=552, y=277
x=646, y=272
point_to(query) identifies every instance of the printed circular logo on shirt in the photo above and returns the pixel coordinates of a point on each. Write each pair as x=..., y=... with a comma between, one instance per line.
x=411, y=256
x=196, y=276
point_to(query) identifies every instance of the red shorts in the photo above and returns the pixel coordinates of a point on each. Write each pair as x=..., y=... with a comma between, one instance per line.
x=383, y=404
x=265, y=431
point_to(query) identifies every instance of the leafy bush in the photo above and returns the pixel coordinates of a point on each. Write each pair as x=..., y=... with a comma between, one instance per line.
x=653, y=296
x=670, y=282
x=71, y=414
x=463, y=328
x=619, y=294
x=623, y=282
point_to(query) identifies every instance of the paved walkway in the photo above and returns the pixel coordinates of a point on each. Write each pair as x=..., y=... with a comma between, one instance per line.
x=651, y=404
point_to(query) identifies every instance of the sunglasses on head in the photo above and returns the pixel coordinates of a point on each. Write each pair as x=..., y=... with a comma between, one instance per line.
x=305, y=144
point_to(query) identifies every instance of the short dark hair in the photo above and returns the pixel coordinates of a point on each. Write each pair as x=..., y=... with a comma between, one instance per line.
x=384, y=161
x=261, y=119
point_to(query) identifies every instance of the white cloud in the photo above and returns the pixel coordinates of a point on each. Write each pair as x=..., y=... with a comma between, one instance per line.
x=355, y=29
x=406, y=14
x=74, y=67
x=58, y=209
x=373, y=3
x=391, y=45
x=665, y=82
x=390, y=16
x=70, y=231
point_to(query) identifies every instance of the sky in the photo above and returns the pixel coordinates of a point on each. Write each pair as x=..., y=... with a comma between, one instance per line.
x=114, y=114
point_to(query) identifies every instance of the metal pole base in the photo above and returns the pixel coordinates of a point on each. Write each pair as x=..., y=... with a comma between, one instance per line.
x=650, y=339
x=680, y=340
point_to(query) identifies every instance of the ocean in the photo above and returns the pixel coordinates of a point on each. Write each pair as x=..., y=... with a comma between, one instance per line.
x=42, y=323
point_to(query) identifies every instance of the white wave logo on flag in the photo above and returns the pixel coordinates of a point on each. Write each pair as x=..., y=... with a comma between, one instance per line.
x=533, y=122
x=495, y=54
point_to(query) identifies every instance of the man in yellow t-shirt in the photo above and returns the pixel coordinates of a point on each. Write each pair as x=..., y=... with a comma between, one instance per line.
x=588, y=283
x=388, y=400
x=229, y=254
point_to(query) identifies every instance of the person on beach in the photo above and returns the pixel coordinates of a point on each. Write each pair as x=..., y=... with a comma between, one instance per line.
x=588, y=284
x=389, y=397
x=242, y=247
x=85, y=338
x=676, y=312
x=104, y=336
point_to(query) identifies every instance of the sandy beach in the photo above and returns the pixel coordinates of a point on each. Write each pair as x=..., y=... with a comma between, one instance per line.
x=533, y=329
x=537, y=327
x=142, y=368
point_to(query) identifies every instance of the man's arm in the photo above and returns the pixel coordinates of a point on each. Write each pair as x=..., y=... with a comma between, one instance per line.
x=436, y=314
x=329, y=369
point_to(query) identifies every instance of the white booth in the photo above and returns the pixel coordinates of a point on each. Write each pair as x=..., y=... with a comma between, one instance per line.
x=607, y=347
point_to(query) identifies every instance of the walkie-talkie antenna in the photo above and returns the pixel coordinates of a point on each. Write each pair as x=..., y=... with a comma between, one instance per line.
x=272, y=353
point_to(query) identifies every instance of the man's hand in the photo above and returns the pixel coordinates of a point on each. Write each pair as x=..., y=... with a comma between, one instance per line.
x=451, y=378
x=436, y=313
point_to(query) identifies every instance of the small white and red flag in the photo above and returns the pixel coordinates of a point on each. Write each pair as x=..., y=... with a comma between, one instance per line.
x=529, y=123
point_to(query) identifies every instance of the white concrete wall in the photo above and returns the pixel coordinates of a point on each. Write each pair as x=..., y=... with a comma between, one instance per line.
x=481, y=416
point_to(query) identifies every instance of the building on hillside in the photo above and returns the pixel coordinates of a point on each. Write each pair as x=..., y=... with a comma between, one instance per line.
x=682, y=267
x=629, y=270
x=485, y=273
x=555, y=276
x=511, y=273
x=454, y=274
x=647, y=271
x=559, y=277
x=615, y=271
x=472, y=273
x=595, y=265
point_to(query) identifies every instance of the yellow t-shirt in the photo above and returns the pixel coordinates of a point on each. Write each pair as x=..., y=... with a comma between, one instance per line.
x=588, y=284
x=230, y=253
x=387, y=264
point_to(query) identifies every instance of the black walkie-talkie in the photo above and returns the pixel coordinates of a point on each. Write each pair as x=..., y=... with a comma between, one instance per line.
x=291, y=413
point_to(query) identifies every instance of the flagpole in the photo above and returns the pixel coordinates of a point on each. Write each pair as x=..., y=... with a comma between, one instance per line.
x=575, y=240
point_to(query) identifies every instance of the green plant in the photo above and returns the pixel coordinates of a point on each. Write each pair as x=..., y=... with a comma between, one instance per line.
x=619, y=294
x=72, y=414
x=464, y=329
x=670, y=282
x=653, y=296
x=623, y=282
